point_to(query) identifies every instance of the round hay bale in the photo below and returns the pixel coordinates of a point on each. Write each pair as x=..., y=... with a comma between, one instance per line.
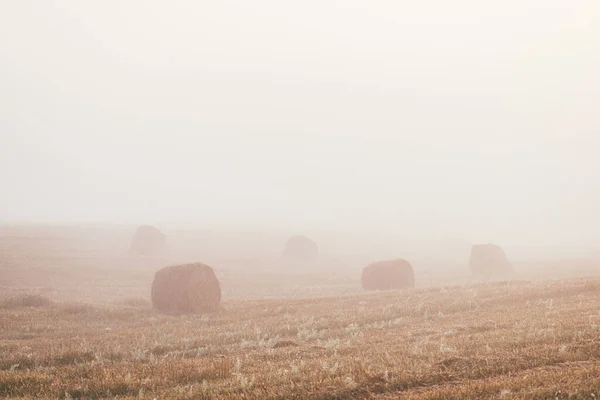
x=489, y=260
x=148, y=240
x=388, y=275
x=300, y=248
x=186, y=289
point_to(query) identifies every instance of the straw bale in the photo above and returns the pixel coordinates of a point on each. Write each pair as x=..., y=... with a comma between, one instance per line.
x=300, y=248
x=388, y=275
x=148, y=240
x=186, y=289
x=489, y=260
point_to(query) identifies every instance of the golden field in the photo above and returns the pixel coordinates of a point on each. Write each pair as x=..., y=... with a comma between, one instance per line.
x=76, y=322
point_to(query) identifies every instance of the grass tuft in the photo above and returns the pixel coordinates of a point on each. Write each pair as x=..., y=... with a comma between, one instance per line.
x=24, y=301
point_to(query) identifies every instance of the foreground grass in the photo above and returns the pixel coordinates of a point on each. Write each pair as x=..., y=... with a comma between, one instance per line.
x=508, y=340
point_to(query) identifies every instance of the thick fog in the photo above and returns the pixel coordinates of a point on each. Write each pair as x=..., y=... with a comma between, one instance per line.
x=473, y=119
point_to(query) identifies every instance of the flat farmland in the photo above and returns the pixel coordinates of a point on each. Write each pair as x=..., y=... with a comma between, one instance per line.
x=77, y=323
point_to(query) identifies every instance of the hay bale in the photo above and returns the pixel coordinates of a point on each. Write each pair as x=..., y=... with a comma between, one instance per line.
x=300, y=248
x=388, y=275
x=489, y=260
x=148, y=240
x=186, y=289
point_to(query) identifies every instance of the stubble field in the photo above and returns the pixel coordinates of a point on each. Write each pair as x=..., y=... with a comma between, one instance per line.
x=73, y=326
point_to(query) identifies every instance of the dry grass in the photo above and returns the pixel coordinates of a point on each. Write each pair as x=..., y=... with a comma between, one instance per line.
x=509, y=340
x=91, y=333
x=27, y=300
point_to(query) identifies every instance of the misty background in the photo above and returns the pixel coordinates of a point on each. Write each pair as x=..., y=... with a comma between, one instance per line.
x=470, y=120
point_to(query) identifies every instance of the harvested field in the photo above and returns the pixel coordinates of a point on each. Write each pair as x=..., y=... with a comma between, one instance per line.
x=92, y=333
x=518, y=340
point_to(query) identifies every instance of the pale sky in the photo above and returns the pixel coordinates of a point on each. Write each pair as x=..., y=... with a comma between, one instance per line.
x=475, y=119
